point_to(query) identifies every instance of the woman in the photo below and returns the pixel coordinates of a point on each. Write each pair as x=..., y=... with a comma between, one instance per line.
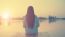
x=31, y=23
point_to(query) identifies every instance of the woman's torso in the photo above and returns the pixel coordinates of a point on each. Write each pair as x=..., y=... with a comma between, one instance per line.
x=34, y=29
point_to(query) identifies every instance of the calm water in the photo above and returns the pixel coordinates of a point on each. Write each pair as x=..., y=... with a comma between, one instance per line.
x=46, y=29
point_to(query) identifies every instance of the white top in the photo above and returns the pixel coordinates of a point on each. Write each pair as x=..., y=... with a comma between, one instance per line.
x=33, y=30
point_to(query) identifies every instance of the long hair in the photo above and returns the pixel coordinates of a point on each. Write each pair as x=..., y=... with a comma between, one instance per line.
x=30, y=17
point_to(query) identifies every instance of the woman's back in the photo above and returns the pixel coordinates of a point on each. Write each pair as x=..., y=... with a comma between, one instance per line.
x=35, y=27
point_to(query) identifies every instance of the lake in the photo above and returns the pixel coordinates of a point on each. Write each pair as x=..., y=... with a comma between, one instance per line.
x=46, y=29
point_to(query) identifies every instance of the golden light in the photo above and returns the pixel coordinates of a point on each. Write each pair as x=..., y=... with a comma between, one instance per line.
x=6, y=14
x=5, y=18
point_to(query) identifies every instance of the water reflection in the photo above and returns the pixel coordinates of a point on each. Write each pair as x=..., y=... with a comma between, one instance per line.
x=55, y=29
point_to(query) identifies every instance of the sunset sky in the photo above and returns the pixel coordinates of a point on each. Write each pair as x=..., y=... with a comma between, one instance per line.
x=18, y=8
x=41, y=7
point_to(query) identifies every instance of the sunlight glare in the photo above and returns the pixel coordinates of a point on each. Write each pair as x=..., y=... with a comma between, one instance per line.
x=6, y=14
x=5, y=18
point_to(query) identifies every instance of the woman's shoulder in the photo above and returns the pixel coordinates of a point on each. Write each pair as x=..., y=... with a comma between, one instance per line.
x=24, y=17
x=36, y=17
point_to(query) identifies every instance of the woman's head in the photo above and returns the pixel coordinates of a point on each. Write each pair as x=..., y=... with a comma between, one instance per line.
x=30, y=11
x=30, y=17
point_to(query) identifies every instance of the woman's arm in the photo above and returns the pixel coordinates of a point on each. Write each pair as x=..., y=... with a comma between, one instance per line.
x=24, y=23
x=37, y=21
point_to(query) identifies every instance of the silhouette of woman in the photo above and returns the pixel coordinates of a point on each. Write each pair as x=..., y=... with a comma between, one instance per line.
x=31, y=23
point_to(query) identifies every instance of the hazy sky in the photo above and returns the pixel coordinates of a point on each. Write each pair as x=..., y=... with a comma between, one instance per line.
x=41, y=7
